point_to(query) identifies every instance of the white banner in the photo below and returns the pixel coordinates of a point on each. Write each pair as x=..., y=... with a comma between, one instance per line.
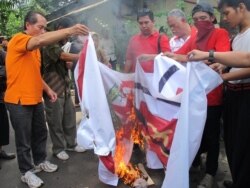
x=171, y=104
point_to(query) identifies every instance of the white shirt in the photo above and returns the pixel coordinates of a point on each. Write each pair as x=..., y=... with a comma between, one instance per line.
x=241, y=43
x=176, y=43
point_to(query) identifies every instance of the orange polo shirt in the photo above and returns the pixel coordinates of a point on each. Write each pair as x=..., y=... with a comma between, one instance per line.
x=24, y=81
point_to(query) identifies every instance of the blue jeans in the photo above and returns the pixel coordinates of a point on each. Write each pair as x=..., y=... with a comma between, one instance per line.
x=28, y=122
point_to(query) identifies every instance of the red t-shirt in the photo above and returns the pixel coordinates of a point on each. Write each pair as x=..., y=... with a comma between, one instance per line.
x=140, y=44
x=218, y=41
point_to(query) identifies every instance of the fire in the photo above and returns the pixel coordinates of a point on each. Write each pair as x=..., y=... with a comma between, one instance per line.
x=127, y=172
x=136, y=136
x=136, y=131
x=125, y=137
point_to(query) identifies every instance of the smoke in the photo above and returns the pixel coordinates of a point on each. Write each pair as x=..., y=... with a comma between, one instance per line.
x=118, y=17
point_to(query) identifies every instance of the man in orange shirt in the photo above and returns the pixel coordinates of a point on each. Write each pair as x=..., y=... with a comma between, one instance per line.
x=23, y=96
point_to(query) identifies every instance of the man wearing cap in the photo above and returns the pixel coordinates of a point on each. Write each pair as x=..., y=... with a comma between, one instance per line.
x=210, y=39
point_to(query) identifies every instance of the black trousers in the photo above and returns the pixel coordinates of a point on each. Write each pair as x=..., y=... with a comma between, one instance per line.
x=4, y=126
x=236, y=118
x=210, y=142
x=30, y=134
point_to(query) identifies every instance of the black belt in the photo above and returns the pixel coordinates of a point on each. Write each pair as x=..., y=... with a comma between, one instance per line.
x=237, y=87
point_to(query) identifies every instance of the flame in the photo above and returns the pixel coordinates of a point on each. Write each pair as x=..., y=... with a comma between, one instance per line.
x=136, y=135
x=127, y=172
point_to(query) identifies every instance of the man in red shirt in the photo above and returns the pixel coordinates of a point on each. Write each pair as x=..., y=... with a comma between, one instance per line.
x=210, y=38
x=148, y=41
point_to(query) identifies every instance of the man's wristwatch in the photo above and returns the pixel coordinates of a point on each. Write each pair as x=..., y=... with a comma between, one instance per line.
x=211, y=56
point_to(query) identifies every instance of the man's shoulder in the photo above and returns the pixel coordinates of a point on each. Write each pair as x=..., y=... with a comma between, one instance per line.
x=19, y=36
x=160, y=36
x=136, y=36
x=220, y=31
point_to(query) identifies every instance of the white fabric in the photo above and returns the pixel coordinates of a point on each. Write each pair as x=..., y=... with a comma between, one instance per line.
x=99, y=128
x=199, y=81
x=176, y=43
x=98, y=132
x=106, y=176
x=153, y=161
x=66, y=47
x=150, y=81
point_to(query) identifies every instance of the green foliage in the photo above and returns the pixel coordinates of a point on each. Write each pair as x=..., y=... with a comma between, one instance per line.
x=12, y=12
x=180, y=4
x=160, y=22
x=6, y=8
x=14, y=24
x=52, y=5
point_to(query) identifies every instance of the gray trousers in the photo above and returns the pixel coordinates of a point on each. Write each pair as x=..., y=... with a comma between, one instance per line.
x=61, y=119
x=28, y=122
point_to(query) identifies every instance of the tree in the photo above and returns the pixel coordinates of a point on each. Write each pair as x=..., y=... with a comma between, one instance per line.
x=52, y=5
x=12, y=12
x=6, y=8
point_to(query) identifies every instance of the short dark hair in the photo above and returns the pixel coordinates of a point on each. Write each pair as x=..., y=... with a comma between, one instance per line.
x=64, y=23
x=145, y=12
x=31, y=17
x=234, y=3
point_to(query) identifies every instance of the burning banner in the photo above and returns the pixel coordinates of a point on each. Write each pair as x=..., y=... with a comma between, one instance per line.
x=118, y=106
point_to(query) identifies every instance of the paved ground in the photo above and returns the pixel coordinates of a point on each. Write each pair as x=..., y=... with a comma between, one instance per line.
x=80, y=171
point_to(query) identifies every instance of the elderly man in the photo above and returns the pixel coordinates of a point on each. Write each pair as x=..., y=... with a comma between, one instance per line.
x=182, y=31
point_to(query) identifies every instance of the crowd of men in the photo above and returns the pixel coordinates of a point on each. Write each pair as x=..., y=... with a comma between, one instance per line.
x=30, y=91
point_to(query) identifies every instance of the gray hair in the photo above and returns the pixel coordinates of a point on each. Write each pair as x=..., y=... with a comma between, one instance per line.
x=177, y=13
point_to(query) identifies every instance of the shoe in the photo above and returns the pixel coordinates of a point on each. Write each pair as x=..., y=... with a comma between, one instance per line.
x=228, y=184
x=62, y=155
x=31, y=180
x=7, y=156
x=206, y=182
x=45, y=166
x=77, y=148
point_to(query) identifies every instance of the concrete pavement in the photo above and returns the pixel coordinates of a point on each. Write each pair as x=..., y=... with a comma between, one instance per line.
x=80, y=171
